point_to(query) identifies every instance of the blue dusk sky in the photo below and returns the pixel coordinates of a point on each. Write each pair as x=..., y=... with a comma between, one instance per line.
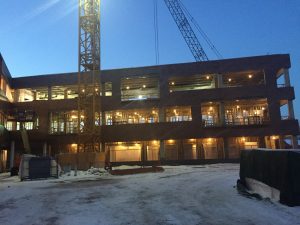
x=40, y=36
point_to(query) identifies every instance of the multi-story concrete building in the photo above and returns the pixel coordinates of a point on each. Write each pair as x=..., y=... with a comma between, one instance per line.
x=182, y=112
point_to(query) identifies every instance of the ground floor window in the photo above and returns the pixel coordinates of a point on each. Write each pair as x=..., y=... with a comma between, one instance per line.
x=236, y=144
x=125, y=151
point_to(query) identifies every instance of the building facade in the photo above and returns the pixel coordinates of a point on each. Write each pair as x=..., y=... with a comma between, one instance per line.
x=191, y=112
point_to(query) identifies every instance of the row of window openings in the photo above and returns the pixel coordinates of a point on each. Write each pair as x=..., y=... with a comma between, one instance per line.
x=206, y=148
x=58, y=92
x=141, y=88
x=238, y=115
x=61, y=124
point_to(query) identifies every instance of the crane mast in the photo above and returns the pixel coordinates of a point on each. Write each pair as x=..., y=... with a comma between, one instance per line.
x=88, y=76
x=186, y=30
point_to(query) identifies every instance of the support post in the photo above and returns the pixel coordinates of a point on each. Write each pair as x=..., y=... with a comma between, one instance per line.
x=45, y=149
x=291, y=110
x=226, y=148
x=12, y=154
x=161, y=115
x=287, y=78
x=222, y=113
x=220, y=81
x=295, y=142
x=162, y=150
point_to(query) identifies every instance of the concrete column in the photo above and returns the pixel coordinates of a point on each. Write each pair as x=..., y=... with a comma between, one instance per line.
x=162, y=150
x=49, y=93
x=180, y=150
x=65, y=94
x=144, y=152
x=281, y=142
x=200, y=149
x=295, y=142
x=226, y=148
x=102, y=147
x=220, y=83
x=196, y=113
x=45, y=149
x=161, y=115
x=49, y=150
x=222, y=113
x=12, y=154
x=287, y=81
x=261, y=142
x=274, y=111
x=291, y=110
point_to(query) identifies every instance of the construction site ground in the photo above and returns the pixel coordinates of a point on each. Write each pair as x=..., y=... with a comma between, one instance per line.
x=188, y=195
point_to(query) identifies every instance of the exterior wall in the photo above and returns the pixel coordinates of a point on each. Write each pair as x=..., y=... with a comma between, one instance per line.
x=162, y=131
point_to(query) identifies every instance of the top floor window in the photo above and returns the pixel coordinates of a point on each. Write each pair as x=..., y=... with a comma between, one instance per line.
x=64, y=92
x=139, y=88
x=191, y=83
x=107, y=87
x=244, y=79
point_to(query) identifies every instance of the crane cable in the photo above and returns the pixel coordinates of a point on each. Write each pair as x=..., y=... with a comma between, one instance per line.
x=156, y=38
x=200, y=30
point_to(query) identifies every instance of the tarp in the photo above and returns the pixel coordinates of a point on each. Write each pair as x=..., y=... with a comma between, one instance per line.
x=279, y=169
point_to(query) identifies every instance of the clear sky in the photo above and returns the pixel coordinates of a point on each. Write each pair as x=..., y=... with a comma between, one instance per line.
x=40, y=36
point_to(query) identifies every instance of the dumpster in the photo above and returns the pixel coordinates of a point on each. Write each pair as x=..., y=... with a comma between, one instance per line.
x=33, y=167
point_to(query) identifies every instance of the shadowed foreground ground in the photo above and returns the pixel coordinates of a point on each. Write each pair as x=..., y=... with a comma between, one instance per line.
x=180, y=195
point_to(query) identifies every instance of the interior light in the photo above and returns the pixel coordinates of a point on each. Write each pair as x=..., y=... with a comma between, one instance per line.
x=207, y=77
x=237, y=106
x=250, y=76
x=140, y=97
x=173, y=83
x=154, y=142
x=229, y=79
x=127, y=87
x=171, y=141
x=144, y=86
x=243, y=139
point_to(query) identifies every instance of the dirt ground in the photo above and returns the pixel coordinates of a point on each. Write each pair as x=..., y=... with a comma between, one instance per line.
x=189, y=195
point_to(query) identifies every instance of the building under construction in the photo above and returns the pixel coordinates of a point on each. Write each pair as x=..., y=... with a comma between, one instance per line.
x=204, y=111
